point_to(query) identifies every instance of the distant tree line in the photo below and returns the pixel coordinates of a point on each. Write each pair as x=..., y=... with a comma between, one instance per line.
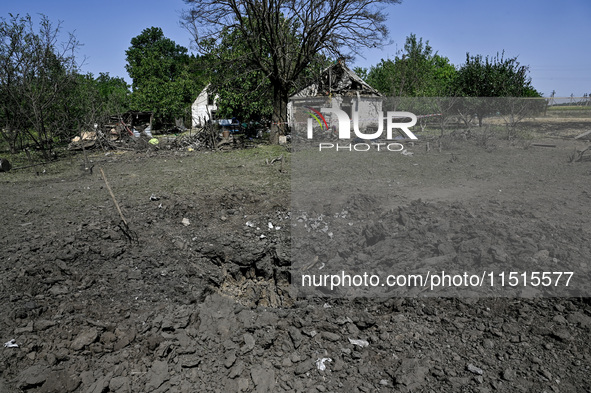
x=420, y=72
x=250, y=62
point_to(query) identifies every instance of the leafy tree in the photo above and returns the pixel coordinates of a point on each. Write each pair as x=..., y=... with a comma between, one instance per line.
x=114, y=91
x=94, y=100
x=381, y=76
x=243, y=91
x=246, y=97
x=417, y=72
x=37, y=73
x=162, y=75
x=361, y=72
x=492, y=77
x=282, y=38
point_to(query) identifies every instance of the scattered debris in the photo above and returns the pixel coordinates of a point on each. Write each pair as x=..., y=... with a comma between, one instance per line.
x=359, y=343
x=320, y=363
x=11, y=344
x=213, y=314
x=584, y=134
x=274, y=160
x=579, y=155
x=543, y=145
x=474, y=370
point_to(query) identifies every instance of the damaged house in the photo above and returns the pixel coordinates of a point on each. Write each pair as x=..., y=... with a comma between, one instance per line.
x=203, y=108
x=338, y=87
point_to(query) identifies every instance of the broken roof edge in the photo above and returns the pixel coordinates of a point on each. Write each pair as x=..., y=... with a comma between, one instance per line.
x=312, y=90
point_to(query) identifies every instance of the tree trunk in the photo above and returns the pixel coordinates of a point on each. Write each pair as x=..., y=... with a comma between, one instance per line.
x=279, y=117
x=11, y=138
x=480, y=118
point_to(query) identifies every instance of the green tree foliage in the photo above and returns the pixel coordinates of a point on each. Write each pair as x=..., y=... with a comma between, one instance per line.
x=114, y=91
x=417, y=72
x=361, y=72
x=37, y=75
x=242, y=91
x=45, y=100
x=492, y=77
x=281, y=38
x=94, y=100
x=163, y=74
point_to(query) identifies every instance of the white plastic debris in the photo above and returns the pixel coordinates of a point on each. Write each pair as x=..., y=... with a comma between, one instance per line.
x=270, y=226
x=360, y=343
x=186, y=222
x=407, y=153
x=320, y=363
x=148, y=131
x=474, y=370
x=263, y=236
x=11, y=344
x=154, y=197
x=250, y=224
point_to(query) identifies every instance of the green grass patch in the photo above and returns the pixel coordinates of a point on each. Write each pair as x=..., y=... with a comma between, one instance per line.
x=187, y=172
x=569, y=108
x=567, y=111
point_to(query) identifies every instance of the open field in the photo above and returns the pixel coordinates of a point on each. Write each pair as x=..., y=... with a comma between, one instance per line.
x=193, y=295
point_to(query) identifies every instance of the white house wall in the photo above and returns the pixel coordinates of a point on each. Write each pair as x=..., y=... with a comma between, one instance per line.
x=200, y=110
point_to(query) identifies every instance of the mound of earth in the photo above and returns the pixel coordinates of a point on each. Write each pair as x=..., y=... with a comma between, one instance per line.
x=194, y=294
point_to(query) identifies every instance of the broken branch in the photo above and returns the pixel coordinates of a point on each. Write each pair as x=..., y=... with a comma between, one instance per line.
x=113, y=196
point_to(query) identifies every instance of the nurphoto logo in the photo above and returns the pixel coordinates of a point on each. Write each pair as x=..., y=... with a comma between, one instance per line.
x=392, y=119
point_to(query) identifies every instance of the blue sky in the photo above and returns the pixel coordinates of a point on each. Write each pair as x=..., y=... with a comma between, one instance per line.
x=552, y=37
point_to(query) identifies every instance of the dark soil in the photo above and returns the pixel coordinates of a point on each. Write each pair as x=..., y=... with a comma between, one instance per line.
x=193, y=294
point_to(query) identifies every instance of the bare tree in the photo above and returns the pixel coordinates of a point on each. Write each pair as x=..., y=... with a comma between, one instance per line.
x=282, y=37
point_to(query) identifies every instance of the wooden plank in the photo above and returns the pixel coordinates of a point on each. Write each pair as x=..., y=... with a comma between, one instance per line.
x=583, y=134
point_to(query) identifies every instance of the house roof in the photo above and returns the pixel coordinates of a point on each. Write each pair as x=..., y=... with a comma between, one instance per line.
x=338, y=80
